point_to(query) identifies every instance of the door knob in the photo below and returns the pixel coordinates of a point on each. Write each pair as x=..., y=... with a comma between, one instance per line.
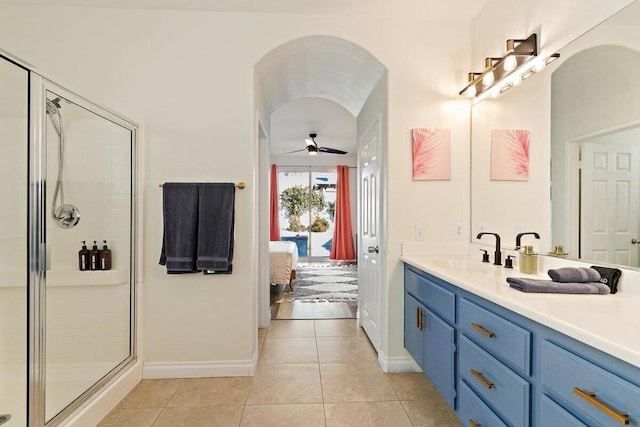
x=635, y=241
x=373, y=249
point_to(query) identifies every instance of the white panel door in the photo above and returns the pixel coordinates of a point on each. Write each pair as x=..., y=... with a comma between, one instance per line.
x=369, y=268
x=610, y=200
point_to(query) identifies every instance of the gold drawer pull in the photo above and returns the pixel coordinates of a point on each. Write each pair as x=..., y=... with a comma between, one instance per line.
x=590, y=397
x=422, y=325
x=418, y=318
x=472, y=423
x=482, y=330
x=485, y=382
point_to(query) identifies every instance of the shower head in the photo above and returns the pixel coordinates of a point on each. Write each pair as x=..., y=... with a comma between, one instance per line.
x=53, y=105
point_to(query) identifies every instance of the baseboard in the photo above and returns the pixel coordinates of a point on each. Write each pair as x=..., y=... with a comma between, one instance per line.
x=224, y=368
x=393, y=365
x=95, y=410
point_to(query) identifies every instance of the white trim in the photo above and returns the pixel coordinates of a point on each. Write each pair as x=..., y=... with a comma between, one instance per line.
x=102, y=403
x=396, y=364
x=223, y=368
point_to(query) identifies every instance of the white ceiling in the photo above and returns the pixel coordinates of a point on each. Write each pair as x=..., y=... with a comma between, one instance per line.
x=293, y=122
x=419, y=9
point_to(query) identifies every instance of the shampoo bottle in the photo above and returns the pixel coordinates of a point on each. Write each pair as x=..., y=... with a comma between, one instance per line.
x=94, y=257
x=83, y=257
x=105, y=257
x=528, y=260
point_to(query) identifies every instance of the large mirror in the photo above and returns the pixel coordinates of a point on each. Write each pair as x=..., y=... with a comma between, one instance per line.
x=582, y=119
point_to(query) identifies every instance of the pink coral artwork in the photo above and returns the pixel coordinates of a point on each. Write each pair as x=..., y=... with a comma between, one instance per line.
x=431, y=154
x=509, y=155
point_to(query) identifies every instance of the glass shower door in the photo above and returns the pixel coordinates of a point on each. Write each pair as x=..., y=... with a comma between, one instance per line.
x=13, y=243
x=88, y=199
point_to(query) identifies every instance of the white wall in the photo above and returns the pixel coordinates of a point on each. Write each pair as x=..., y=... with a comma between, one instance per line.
x=508, y=207
x=189, y=76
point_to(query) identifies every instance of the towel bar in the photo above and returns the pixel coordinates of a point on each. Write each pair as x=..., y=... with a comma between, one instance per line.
x=241, y=185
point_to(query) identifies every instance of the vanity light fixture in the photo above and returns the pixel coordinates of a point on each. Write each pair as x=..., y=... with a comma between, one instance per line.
x=501, y=74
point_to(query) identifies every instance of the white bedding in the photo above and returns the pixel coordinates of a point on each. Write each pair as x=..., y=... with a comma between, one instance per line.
x=283, y=258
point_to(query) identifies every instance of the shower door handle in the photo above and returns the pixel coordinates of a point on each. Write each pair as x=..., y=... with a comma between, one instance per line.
x=635, y=241
x=373, y=249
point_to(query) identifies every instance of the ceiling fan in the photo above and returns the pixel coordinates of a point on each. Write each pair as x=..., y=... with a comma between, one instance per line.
x=313, y=148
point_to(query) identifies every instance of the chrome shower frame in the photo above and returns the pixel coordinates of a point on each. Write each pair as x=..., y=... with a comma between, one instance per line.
x=39, y=86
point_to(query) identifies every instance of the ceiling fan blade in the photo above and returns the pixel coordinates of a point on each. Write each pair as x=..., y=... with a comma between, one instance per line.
x=331, y=150
x=295, y=151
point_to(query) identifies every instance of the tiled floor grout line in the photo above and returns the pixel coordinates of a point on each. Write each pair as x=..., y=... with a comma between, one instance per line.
x=324, y=407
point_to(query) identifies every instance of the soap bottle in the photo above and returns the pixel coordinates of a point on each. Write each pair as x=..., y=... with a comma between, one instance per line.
x=528, y=260
x=83, y=257
x=105, y=257
x=94, y=257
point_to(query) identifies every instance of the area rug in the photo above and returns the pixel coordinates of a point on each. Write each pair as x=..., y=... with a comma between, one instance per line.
x=326, y=283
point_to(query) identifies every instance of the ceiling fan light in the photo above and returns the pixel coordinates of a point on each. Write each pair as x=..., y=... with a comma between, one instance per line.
x=313, y=151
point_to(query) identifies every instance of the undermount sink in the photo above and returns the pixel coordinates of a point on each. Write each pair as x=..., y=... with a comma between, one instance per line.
x=467, y=265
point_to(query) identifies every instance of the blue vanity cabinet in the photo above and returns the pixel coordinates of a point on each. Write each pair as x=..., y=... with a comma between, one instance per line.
x=509, y=369
x=413, y=335
x=428, y=337
x=599, y=396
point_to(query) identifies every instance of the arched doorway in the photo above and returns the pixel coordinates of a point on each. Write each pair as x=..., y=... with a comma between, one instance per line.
x=335, y=70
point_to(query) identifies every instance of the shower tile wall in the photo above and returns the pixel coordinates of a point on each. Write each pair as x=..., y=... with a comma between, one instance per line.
x=13, y=265
x=97, y=181
x=13, y=191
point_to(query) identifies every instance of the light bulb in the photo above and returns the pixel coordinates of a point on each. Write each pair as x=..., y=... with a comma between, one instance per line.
x=488, y=79
x=510, y=63
x=471, y=91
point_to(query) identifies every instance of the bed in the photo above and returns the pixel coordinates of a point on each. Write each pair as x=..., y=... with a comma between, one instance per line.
x=283, y=258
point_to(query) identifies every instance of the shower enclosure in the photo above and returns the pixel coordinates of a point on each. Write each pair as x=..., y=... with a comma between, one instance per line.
x=67, y=174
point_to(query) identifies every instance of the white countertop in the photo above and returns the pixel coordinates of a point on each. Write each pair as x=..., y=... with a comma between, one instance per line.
x=610, y=323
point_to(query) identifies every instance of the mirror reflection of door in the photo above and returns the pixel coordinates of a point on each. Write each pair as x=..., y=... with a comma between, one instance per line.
x=610, y=197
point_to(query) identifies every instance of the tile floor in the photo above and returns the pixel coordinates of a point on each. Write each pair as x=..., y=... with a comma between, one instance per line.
x=311, y=373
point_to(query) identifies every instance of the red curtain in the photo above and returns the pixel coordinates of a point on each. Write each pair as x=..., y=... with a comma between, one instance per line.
x=342, y=245
x=274, y=206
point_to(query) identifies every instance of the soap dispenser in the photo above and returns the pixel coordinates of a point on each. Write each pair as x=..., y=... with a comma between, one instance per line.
x=83, y=257
x=105, y=257
x=94, y=257
x=528, y=260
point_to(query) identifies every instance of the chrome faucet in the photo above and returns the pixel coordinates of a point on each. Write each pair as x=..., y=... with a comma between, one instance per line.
x=519, y=238
x=497, y=255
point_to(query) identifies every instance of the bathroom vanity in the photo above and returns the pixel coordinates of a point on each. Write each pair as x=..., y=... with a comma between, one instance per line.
x=502, y=357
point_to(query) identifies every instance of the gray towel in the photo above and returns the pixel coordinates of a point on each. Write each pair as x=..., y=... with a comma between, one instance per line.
x=549, y=286
x=215, y=227
x=574, y=274
x=180, y=220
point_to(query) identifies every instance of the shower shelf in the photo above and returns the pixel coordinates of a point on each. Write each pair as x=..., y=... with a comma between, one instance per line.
x=87, y=278
x=57, y=278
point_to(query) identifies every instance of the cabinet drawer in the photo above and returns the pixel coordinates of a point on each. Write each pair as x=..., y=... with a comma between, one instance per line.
x=498, y=385
x=434, y=296
x=567, y=374
x=497, y=335
x=552, y=414
x=473, y=411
